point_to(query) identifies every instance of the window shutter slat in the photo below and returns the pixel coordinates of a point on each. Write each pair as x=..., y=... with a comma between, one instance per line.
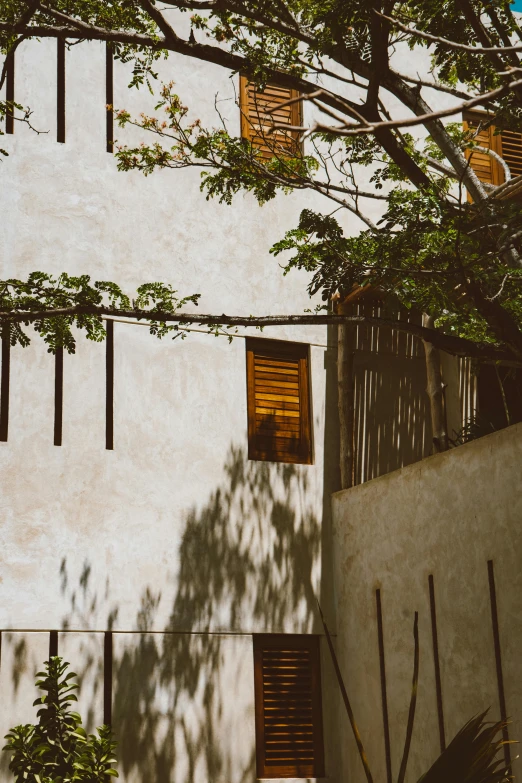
x=259, y=111
x=512, y=151
x=507, y=144
x=278, y=401
x=289, y=732
x=485, y=166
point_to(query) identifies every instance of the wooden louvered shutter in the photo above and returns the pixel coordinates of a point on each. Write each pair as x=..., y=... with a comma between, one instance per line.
x=485, y=166
x=511, y=151
x=289, y=726
x=256, y=121
x=279, y=422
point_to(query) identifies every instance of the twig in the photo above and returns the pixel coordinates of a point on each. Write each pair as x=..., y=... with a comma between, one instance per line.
x=349, y=129
x=24, y=19
x=346, y=700
x=413, y=701
x=457, y=346
x=446, y=41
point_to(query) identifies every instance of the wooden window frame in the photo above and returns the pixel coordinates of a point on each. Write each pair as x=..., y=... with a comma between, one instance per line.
x=280, y=349
x=507, y=144
x=494, y=144
x=279, y=642
x=247, y=122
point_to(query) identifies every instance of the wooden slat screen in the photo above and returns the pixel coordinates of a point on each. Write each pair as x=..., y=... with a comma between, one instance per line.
x=512, y=151
x=279, y=426
x=289, y=729
x=485, y=166
x=256, y=121
x=507, y=144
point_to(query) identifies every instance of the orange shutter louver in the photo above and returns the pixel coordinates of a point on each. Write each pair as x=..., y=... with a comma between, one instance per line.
x=260, y=110
x=485, y=166
x=279, y=426
x=512, y=151
x=507, y=144
x=289, y=730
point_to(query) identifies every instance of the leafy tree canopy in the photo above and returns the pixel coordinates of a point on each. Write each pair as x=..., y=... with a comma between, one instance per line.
x=433, y=248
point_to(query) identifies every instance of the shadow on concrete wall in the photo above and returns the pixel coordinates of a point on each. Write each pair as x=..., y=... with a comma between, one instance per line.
x=260, y=576
x=256, y=576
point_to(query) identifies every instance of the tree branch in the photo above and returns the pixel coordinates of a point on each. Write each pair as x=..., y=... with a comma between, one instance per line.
x=160, y=20
x=432, y=86
x=351, y=129
x=448, y=42
x=234, y=62
x=24, y=20
x=457, y=346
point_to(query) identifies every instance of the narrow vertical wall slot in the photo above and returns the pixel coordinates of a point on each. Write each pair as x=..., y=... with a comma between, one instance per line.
x=498, y=659
x=109, y=398
x=58, y=396
x=60, y=91
x=436, y=663
x=53, y=643
x=107, y=678
x=109, y=95
x=384, y=697
x=10, y=92
x=4, y=383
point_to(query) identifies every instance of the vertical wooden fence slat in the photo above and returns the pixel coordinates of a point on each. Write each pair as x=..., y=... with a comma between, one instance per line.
x=109, y=95
x=58, y=396
x=107, y=678
x=109, y=389
x=60, y=90
x=498, y=659
x=10, y=92
x=4, y=383
x=436, y=663
x=53, y=643
x=384, y=697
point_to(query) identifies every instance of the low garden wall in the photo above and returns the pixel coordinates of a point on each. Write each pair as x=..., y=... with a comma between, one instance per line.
x=442, y=537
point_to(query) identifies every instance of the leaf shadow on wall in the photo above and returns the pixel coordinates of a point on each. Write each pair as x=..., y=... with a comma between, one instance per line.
x=249, y=560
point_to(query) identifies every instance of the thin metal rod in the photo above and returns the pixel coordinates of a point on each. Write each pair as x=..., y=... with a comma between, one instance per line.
x=10, y=93
x=107, y=678
x=60, y=90
x=109, y=95
x=109, y=387
x=4, y=383
x=384, y=697
x=58, y=396
x=53, y=643
x=436, y=664
x=498, y=661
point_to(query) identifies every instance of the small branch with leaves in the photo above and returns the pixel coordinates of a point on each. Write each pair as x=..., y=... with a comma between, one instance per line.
x=55, y=305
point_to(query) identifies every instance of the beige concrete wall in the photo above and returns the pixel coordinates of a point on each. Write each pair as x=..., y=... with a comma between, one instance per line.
x=446, y=516
x=179, y=471
x=175, y=530
x=182, y=703
x=175, y=540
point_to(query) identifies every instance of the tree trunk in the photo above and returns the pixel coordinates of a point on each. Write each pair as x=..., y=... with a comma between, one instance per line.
x=435, y=390
x=345, y=379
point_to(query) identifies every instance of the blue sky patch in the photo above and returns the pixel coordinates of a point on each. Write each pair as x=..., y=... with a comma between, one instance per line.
x=517, y=6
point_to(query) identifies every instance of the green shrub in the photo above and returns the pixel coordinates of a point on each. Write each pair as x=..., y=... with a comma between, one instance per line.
x=57, y=749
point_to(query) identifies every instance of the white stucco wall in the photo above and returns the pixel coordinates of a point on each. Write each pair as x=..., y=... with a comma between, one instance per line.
x=175, y=540
x=446, y=516
x=180, y=407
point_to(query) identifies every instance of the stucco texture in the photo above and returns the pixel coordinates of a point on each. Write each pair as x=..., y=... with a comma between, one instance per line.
x=446, y=516
x=174, y=540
